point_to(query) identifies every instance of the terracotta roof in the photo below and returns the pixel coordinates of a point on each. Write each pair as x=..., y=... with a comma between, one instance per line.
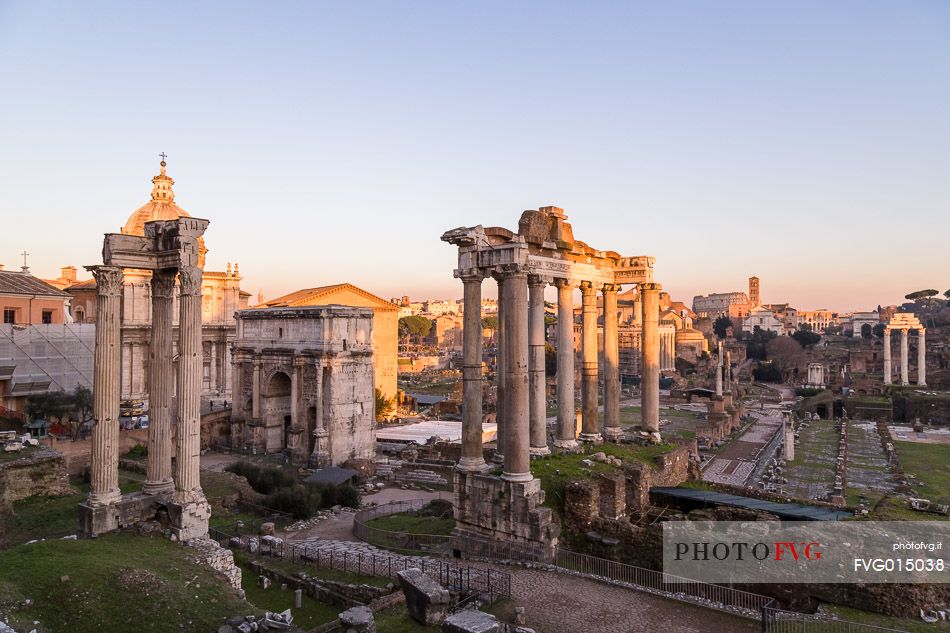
x=18, y=283
x=83, y=285
x=305, y=296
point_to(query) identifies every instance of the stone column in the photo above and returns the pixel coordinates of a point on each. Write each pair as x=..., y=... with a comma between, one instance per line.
x=501, y=351
x=321, y=444
x=236, y=395
x=650, y=365
x=536, y=381
x=256, y=391
x=104, y=467
x=921, y=358
x=566, y=420
x=590, y=429
x=472, y=459
x=161, y=385
x=213, y=368
x=728, y=371
x=188, y=455
x=517, y=460
x=887, y=356
x=295, y=393
x=904, y=361
x=612, y=428
x=719, y=372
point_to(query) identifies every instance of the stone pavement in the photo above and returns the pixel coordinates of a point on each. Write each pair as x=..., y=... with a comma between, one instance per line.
x=560, y=603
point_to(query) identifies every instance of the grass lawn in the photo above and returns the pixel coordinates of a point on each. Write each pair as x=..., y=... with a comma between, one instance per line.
x=556, y=471
x=412, y=523
x=876, y=619
x=397, y=620
x=118, y=582
x=12, y=456
x=40, y=516
x=930, y=463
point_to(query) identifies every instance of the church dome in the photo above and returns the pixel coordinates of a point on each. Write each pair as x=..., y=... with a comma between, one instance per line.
x=162, y=206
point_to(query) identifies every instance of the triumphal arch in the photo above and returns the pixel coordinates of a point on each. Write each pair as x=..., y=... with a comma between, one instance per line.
x=542, y=251
x=169, y=249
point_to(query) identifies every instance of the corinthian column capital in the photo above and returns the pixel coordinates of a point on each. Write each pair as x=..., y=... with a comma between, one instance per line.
x=189, y=279
x=163, y=284
x=108, y=280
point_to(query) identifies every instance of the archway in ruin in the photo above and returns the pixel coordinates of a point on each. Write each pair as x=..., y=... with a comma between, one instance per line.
x=275, y=403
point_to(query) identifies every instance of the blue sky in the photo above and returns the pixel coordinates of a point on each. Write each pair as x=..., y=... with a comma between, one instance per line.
x=805, y=142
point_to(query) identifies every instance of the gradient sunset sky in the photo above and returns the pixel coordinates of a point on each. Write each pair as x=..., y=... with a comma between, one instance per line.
x=807, y=143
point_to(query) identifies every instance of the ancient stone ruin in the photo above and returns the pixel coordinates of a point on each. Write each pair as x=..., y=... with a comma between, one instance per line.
x=169, y=249
x=542, y=251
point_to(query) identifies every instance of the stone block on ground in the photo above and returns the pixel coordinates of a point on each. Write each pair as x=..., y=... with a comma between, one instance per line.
x=358, y=620
x=426, y=600
x=471, y=621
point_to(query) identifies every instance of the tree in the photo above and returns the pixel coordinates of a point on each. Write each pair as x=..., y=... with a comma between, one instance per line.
x=946, y=293
x=921, y=294
x=767, y=372
x=46, y=406
x=755, y=345
x=805, y=327
x=878, y=331
x=866, y=331
x=550, y=360
x=490, y=323
x=786, y=354
x=384, y=406
x=806, y=338
x=721, y=326
x=415, y=326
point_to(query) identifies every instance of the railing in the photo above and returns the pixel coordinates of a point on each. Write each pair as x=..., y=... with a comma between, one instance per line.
x=463, y=579
x=779, y=621
x=405, y=542
x=721, y=597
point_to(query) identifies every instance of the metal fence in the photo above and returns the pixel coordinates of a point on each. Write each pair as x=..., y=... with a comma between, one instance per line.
x=465, y=579
x=404, y=542
x=779, y=621
x=715, y=596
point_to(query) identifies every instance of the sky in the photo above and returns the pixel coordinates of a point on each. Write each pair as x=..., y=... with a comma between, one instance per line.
x=807, y=143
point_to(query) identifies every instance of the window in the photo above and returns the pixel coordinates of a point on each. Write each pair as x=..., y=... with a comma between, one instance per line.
x=47, y=316
x=80, y=316
x=9, y=315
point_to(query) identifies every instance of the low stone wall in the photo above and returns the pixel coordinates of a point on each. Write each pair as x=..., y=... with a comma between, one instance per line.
x=42, y=472
x=339, y=594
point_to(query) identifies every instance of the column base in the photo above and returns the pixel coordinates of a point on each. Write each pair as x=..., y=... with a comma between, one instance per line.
x=108, y=498
x=158, y=487
x=567, y=445
x=498, y=458
x=613, y=433
x=590, y=438
x=655, y=437
x=921, y=384
x=539, y=451
x=517, y=477
x=472, y=465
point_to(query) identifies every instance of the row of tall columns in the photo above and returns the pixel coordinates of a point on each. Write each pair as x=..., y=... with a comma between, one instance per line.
x=520, y=369
x=188, y=446
x=104, y=468
x=904, y=360
x=161, y=384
